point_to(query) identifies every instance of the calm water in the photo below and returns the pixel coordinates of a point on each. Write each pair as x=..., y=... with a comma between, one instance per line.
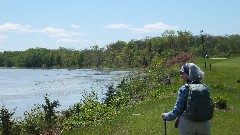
x=22, y=88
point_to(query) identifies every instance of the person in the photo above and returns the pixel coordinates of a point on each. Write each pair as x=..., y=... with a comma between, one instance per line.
x=190, y=74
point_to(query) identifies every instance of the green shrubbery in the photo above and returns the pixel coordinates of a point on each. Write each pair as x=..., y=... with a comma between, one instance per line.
x=42, y=119
x=8, y=126
x=221, y=101
x=33, y=122
x=88, y=112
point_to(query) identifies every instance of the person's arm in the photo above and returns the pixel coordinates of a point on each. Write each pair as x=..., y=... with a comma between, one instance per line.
x=179, y=105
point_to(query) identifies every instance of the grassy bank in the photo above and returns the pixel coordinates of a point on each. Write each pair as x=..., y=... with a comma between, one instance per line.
x=145, y=118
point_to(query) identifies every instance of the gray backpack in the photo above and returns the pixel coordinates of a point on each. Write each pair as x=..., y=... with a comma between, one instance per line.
x=199, y=103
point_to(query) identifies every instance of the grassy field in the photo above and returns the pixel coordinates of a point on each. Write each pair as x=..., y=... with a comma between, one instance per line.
x=145, y=118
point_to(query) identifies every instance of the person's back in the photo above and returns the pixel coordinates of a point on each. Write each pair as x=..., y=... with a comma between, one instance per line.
x=191, y=74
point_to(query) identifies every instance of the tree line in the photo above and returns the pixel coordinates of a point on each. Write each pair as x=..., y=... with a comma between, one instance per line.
x=132, y=54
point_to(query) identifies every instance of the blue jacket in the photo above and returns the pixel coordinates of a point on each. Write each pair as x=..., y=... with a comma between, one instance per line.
x=180, y=104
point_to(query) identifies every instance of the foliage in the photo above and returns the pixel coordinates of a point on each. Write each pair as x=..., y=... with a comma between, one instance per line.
x=132, y=90
x=50, y=116
x=179, y=59
x=221, y=101
x=7, y=125
x=111, y=92
x=132, y=54
x=33, y=121
x=42, y=119
x=88, y=112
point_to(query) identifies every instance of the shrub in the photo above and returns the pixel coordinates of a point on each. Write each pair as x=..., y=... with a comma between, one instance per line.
x=221, y=101
x=110, y=94
x=7, y=125
x=50, y=114
x=88, y=112
x=181, y=58
x=33, y=121
x=42, y=119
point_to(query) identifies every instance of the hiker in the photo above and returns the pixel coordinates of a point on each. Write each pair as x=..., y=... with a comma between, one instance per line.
x=190, y=74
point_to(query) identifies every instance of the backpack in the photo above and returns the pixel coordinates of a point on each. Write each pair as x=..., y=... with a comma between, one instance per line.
x=199, y=103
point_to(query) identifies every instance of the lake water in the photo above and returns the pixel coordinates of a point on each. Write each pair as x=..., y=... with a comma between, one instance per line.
x=22, y=88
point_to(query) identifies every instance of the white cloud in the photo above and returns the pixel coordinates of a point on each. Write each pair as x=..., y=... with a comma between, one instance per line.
x=52, y=32
x=61, y=35
x=117, y=26
x=159, y=26
x=55, y=32
x=15, y=27
x=152, y=27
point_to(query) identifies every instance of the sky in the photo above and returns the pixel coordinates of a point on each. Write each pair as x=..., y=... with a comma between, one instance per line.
x=81, y=24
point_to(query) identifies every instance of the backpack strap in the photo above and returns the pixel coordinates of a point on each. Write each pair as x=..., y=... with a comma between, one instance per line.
x=187, y=88
x=206, y=86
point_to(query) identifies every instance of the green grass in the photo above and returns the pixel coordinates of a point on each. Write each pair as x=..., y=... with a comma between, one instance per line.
x=145, y=118
x=225, y=74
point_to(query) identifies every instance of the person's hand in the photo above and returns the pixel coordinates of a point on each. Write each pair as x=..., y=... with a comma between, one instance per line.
x=164, y=116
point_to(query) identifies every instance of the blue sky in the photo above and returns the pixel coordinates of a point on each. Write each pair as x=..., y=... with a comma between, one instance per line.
x=79, y=24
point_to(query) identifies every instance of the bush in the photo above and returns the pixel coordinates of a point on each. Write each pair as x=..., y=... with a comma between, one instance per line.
x=42, y=119
x=88, y=112
x=110, y=95
x=7, y=125
x=50, y=115
x=220, y=101
x=181, y=58
x=33, y=121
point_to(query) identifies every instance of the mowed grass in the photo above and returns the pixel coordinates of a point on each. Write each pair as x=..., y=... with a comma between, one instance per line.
x=226, y=75
x=145, y=118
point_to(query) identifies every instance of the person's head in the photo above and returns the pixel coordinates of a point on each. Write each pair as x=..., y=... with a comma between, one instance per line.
x=191, y=73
